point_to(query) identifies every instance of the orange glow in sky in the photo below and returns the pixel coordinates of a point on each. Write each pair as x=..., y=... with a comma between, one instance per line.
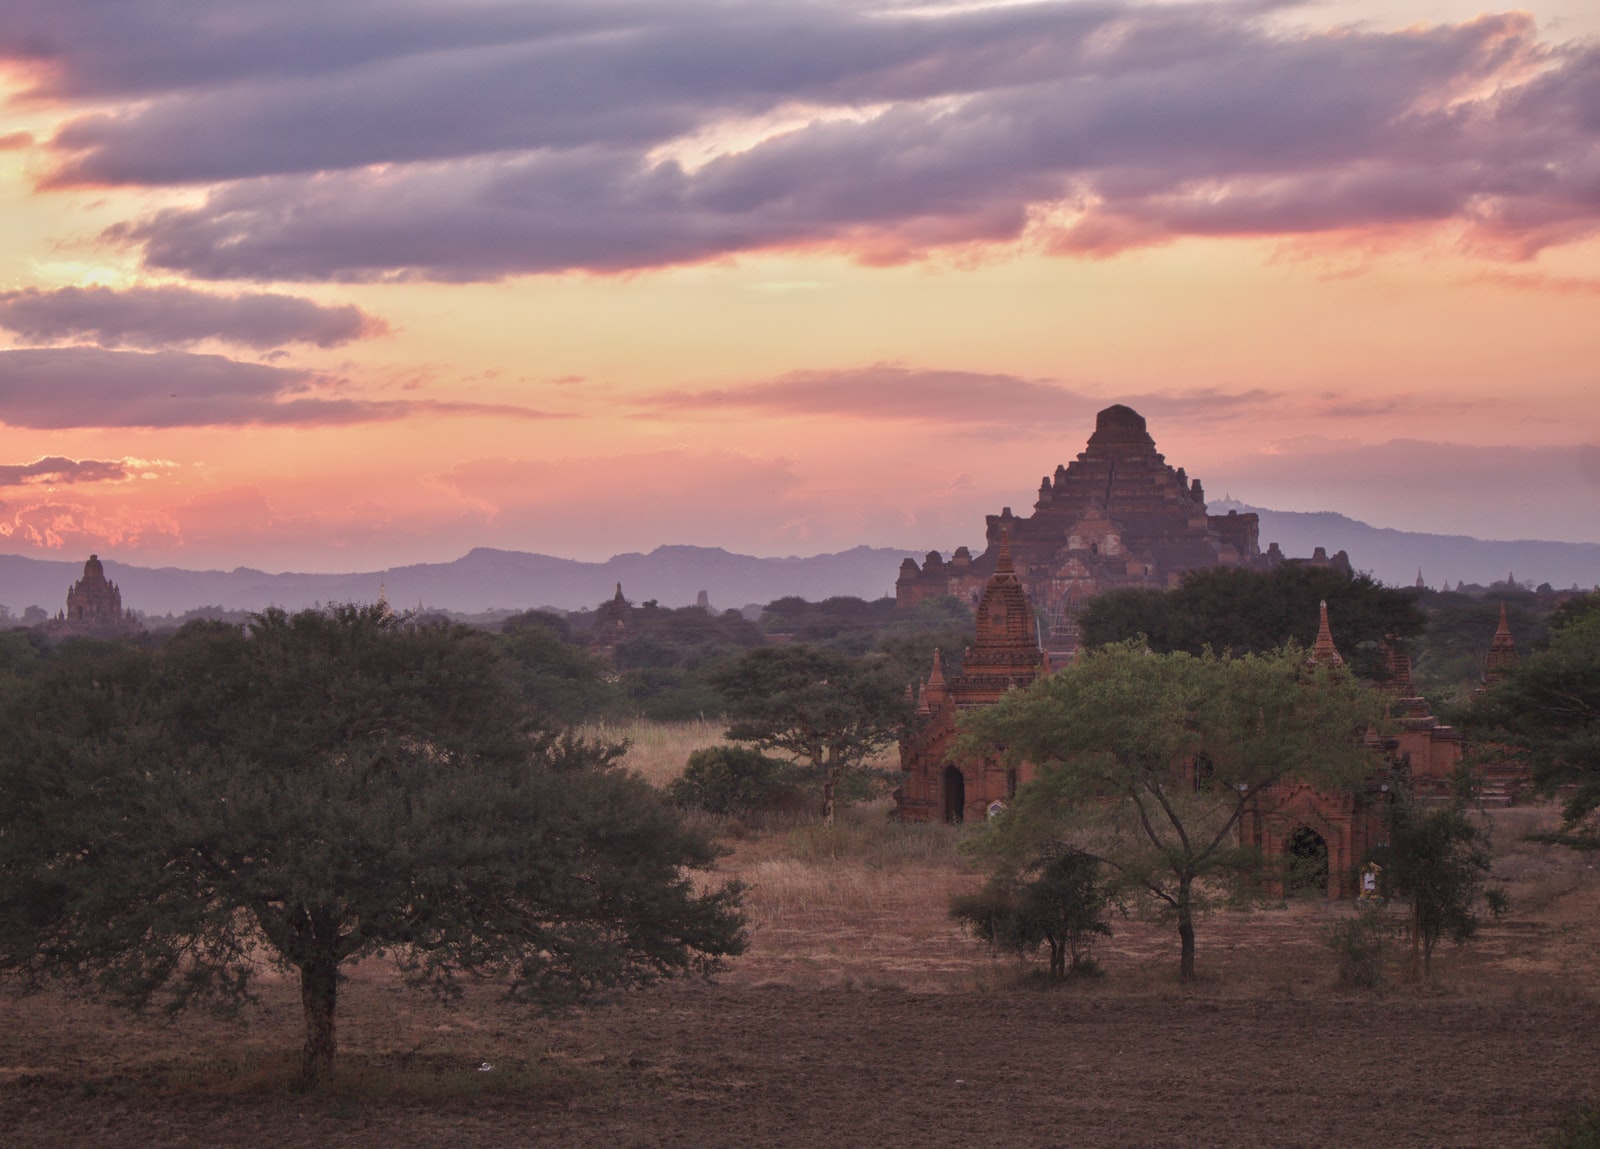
x=582, y=278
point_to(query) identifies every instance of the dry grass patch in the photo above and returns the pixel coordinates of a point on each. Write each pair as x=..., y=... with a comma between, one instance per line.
x=861, y=903
x=657, y=751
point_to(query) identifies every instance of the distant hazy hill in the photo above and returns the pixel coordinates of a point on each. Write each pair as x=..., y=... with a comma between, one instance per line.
x=1396, y=556
x=480, y=580
x=485, y=579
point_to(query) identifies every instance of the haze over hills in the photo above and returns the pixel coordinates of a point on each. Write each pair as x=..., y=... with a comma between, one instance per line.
x=485, y=579
x=1395, y=556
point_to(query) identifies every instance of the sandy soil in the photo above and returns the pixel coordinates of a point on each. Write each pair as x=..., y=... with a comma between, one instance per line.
x=866, y=1019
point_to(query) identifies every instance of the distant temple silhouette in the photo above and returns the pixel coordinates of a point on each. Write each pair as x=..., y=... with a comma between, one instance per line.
x=1116, y=516
x=94, y=607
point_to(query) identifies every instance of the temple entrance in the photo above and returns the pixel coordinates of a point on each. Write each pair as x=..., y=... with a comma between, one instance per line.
x=1305, y=854
x=955, y=795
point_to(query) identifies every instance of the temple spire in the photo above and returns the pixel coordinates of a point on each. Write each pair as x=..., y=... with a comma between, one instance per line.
x=1002, y=562
x=1323, y=652
x=1502, y=651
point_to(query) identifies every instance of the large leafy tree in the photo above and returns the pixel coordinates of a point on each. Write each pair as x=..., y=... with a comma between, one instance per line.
x=1148, y=761
x=1547, y=711
x=1243, y=611
x=317, y=788
x=827, y=709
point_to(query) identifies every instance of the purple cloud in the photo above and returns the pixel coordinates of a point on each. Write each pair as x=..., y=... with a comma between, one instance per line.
x=56, y=471
x=58, y=387
x=376, y=141
x=154, y=317
x=417, y=85
x=960, y=399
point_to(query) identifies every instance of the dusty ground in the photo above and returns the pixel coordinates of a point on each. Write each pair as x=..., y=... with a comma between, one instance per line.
x=860, y=1017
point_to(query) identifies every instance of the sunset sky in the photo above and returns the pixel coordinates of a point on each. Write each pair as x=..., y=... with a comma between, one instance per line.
x=344, y=285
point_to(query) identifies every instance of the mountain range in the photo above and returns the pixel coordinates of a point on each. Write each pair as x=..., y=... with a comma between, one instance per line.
x=1397, y=557
x=486, y=579
x=483, y=579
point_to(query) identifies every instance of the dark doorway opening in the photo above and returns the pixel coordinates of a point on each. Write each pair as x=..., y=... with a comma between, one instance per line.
x=1306, y=854
x=955, y=795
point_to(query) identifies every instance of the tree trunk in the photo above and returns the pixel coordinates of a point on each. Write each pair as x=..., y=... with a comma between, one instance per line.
x=827, y=799
x=1058, y=959
x=319, y=993
x=1416, y=940
x=1185, y=933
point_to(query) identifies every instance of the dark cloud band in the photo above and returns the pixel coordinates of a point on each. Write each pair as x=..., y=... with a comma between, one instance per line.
x=540, y=139
x=58, y=387
x=54, y=470
x=154, y=317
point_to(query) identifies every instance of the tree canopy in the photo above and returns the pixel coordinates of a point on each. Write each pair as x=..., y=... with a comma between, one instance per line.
x=1547, y=711
x=1148, y=761
x=1055, y=899
x=560, y=681
x=827, y=709
x=1439, y=858
x=1237, y=611
x=318, y=788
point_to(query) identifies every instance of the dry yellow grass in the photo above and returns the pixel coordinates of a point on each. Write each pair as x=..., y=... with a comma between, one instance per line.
x=864, y=903
x=658, y=750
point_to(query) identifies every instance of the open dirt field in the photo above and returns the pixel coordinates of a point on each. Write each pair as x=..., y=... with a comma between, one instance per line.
x=861, y=1017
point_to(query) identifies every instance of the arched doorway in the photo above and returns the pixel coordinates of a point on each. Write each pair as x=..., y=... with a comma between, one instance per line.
x=1305, y=855
x=955, y=795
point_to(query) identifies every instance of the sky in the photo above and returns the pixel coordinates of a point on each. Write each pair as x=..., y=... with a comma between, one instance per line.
x=321, y=287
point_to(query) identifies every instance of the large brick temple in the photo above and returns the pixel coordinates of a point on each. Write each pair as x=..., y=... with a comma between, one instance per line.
x=1116, y=516
x=94, y=607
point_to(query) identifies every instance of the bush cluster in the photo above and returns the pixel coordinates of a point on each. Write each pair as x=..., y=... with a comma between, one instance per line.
x=732, y=780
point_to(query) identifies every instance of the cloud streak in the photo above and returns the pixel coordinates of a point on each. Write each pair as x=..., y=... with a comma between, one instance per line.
x=54, y=470
x=957, y=399
x=498, y=141
x=157, y=317
x=60, y=387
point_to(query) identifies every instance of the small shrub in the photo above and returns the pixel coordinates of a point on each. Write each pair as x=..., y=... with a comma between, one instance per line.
x=1579, y=1129
x=731, y=780
x=1056, y=899
x=1361, y=944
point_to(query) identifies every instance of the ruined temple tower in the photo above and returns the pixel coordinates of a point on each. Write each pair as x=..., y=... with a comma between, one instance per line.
x=1004, y=656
